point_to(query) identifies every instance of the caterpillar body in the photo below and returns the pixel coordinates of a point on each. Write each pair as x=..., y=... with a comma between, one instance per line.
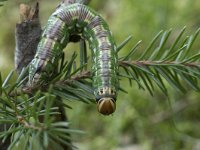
x=79, y=19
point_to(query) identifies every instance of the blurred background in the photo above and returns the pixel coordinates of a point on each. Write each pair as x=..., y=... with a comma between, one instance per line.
x=141, y=122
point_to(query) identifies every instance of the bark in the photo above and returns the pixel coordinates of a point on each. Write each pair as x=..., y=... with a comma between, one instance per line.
x=27, y=35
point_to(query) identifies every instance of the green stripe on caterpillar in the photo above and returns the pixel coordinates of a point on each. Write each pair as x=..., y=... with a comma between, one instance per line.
x=78, y=19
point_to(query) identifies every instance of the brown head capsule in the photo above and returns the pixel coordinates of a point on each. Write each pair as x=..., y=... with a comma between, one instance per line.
x=106, y=105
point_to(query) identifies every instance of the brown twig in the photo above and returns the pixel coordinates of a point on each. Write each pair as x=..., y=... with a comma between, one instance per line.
x=26, y=124
x=152, y=63
x=86, y=74
x=29, y=90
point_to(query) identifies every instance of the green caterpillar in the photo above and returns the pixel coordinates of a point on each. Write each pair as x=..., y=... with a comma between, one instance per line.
x=79, y=19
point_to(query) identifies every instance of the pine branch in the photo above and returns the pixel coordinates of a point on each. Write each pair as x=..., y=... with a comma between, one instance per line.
x=146, y=70
x=32, y=115
x=174, y=64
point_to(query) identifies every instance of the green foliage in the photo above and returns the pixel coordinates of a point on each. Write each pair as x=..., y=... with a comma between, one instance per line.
x=141, y=119
x=157, y=62
x=1, y=2
x=22, y=107
x=31, y=119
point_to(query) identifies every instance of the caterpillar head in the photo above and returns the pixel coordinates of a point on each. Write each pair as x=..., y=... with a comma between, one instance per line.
x=106, y=105
x=106, y=101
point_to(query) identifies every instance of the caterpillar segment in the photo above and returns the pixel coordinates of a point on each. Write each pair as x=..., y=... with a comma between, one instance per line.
x=78, y=19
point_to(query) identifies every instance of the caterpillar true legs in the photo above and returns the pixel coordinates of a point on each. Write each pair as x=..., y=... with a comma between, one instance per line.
x=75, y=19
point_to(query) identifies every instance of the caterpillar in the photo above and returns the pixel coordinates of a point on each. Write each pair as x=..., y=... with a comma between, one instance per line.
x=79, y=19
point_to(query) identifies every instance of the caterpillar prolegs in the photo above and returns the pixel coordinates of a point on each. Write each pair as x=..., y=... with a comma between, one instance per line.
x=78, y=19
